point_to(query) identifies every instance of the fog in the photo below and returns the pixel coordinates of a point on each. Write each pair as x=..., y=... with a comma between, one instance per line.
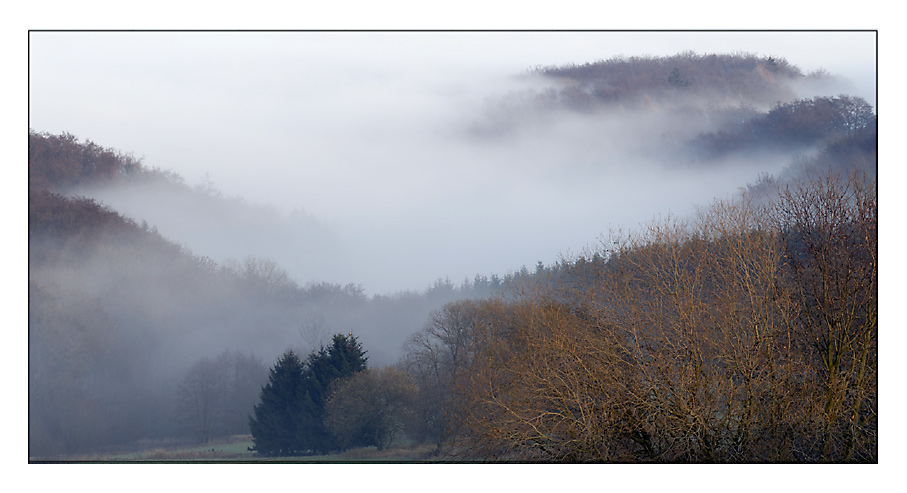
x=397, y=158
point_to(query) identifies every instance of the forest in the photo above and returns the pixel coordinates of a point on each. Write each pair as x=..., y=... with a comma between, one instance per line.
x=747, y=332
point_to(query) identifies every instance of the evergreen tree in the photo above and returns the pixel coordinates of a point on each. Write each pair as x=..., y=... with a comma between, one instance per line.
x=346, y=355
x=277, y=415
x=342, y=359
x=289, y=420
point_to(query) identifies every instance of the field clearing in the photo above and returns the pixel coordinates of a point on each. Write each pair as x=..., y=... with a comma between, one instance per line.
x=236, y=449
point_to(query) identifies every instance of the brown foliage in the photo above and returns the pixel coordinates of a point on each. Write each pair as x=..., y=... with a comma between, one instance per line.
x=60, y=162
x=746, y=336
x=831, y=252
x=372, y=407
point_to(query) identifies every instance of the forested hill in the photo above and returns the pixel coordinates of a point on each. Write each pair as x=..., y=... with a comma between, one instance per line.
x=715, y=109
x=728, y=78
x=199, y=217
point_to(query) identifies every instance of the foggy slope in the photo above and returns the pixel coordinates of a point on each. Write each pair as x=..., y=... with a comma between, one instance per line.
x=225, y=228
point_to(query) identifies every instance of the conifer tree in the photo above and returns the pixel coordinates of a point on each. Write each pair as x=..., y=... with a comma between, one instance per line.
x=277, y=415
x=342, y=359
x=289, y=419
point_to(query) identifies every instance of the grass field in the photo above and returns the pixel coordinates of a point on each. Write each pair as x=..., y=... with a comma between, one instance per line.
x=236, y=449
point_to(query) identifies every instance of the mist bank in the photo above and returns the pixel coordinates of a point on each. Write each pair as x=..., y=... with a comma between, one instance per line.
x=412, y=178
x=226, y=229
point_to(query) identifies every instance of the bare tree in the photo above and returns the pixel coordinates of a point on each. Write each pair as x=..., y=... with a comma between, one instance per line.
x=435, y=357
x=747, y=334
x=217, y=395
x=830, y=231
x=201, y=394
x=371, y=407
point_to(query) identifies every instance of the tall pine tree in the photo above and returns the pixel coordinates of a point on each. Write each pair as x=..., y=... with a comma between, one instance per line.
x=277, y=416
x=342, y=359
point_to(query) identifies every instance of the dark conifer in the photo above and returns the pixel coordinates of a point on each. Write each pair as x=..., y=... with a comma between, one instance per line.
x=289, y=419
x=342, y=359
x=276, y=422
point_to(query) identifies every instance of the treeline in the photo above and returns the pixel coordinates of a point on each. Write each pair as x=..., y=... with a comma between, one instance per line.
x=749, y=334
x=201, y=217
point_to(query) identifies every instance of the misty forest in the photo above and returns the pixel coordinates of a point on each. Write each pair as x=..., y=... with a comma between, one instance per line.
x=745, y=331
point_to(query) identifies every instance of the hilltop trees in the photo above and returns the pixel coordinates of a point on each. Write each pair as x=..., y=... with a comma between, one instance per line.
x=60, y=162
x=632, y=80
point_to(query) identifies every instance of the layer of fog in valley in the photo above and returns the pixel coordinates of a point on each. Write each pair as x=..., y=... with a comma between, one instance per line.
x=391, y=176
x=397, y=169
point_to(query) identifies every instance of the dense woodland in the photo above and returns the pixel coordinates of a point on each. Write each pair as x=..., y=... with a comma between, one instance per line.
x=747, y=333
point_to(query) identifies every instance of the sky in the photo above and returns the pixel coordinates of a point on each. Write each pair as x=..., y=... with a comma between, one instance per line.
x=369, y=133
